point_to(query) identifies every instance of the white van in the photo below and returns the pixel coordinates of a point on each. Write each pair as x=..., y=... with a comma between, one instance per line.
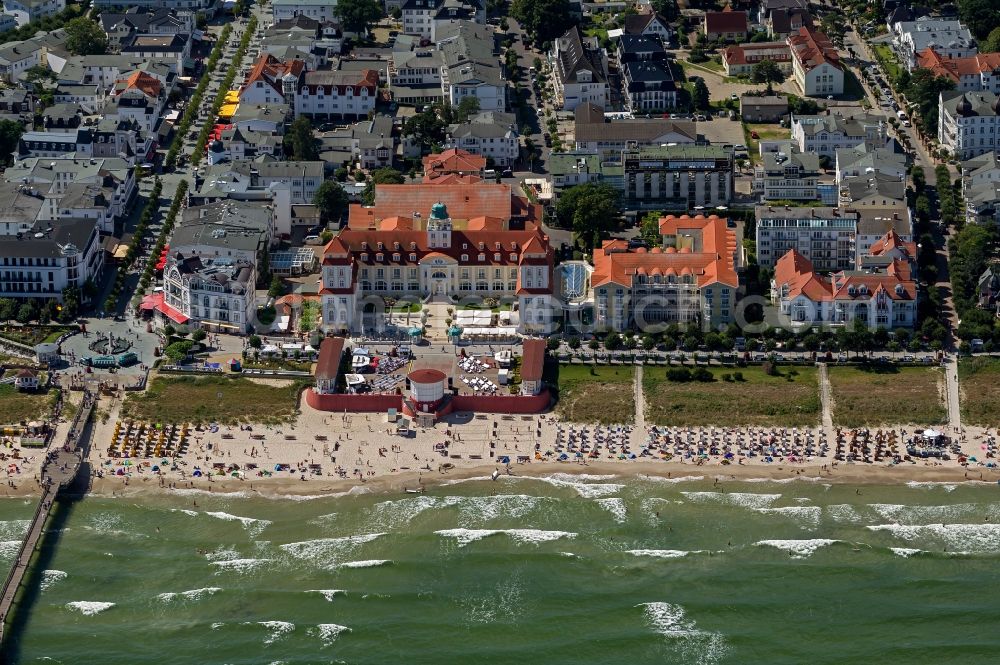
x=901, y=115
x=490, y=173
x=312, y=240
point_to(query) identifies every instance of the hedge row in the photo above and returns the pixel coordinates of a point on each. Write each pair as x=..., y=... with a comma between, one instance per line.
x=220, y=99
x=191, y=112
x=121, y=270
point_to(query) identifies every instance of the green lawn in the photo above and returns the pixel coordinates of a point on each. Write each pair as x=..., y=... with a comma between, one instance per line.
x=887, y=59
x=213, y=399
x=588, y=394
x=31, y=335
x=16, y=406
x=877, y=395
x=766, y=132
x=979, y=390
x=789, y=400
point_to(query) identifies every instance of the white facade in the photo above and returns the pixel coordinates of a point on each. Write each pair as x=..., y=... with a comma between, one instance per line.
x=26, y=11
x=949, y=37
x=825, y=134
x=337, y=94
x=502, y=145
x=42, y=267
x=819, y=81
x=825, y=236
x=321, y=10
x=969, y=123
x=226, y=304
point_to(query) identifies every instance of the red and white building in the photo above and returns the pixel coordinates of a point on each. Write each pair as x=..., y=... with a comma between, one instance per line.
x=741, y=58
x=339, y=94
x=880, y=296
x=976, y=73
x=816, y=64
x=469, y=246
x=272, y=81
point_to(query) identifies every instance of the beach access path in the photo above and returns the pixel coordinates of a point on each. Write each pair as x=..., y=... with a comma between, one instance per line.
x=952, y=389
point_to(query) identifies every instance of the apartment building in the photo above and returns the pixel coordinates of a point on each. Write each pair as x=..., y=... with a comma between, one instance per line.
x=49, y=257
x=826, y=236
x=969, y=123
x=816, y=64
x=580, y=71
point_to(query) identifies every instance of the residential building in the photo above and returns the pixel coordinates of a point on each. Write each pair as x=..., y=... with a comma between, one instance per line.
x=648, y=24
x=491, y=134
x=980, y=72
x=140, y=98
x=823, y=235
x=691, y=279
x=17, y=57
x=988, y=289
x=96, y=188
x=679, y=176
x=471, y=67
x=319, y=10
x=860, y=161
x=373, y=143
x=16, y=102
x=272, y=81
x=872, y=190
x=727, y=26
x=569, y=169
x=236, y=230
x=317, y=40
x=878, y=298
x=463, y=200
x=423, y=17
x=440, y=255
x=875, y=222
x=948, y=37
x=415, y=76
x=341, y=94
x=236, y=144
x=266, y=118
x=739, y=59
x=119, y=27
x=980, y=184
x=649, y=81
x=26, y=11
x=580, y=71
x=216, y=293
x=968, y=123
x=176, y=48
x=787, y=176
x=23, y=205
x=56, y=144
x=453, y=162
x=594, y=132
x=768, y=7
x=816, y=64
x=89, y=97
x=825, y=134
x=7, y=23
x=763, y=108
x=781, y=23
x=50, y=257
x=190, y=5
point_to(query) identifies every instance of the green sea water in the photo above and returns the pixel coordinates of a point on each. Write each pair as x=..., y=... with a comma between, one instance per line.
x=560, y=570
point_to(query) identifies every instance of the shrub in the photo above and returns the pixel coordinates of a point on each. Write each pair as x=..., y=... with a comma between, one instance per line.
x=679, y=374
x=738, y=376
x=770, y=369
x=703, y=375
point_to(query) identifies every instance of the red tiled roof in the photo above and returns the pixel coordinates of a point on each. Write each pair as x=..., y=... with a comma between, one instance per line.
x=715, y=260
x=955, y=68
x=270, y=70
x=796, y=272
x=532, y=359
x=328, y=363
x=726, y=21
x=741, y=54
x=812, y=49
x=427, y=375
x=464, y=201
x=453, y=161
x=148, y=85
x=451, y=179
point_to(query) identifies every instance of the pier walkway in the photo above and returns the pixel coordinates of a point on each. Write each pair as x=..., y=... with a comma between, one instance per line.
x=58, y=470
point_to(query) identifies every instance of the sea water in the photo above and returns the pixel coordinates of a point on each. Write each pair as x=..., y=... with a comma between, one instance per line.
x=556, y=570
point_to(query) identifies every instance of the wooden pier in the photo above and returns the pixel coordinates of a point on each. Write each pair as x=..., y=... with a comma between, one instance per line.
x=58, y=471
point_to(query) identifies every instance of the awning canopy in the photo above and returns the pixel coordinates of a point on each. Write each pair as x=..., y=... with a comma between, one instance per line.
x=156, y=301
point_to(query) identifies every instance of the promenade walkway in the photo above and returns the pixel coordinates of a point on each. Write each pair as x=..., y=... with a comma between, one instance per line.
x=59, y=470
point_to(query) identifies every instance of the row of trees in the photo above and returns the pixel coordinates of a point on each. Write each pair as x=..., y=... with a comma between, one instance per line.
x=227, y=83
x=591, y=210
x=429, y=127
x=121, y=271
x=161, y=241
x=46, y=311
x=543, y=19
x=923, y=89
x=191, y=112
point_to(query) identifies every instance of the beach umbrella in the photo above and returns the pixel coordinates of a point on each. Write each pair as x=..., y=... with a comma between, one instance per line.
x=156, y=467
x=197, y=473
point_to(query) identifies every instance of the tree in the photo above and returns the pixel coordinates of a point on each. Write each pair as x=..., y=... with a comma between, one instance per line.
x=178, y=351
x=924, y=90
x=613, y=342
x=255, y=342
x=426, y=128
x=331, y=199
x=10, y=135
x=992, y=43
x=666, y=8
x=832, y=24
x=8, y=309
x=85, y=37
x=767, y=71
x=545, y=19
x=591, y=210
x=357, y=15
x=700, y=98
x=383, y=176
x=199, y=335
x=300, y=142
x=468, y=107
x=981, y=16
x=277, y=288
x=649, y=228
x=27, y=312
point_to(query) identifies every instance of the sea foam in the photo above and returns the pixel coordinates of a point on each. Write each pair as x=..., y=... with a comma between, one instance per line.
x=584, y=489
x=328, y=632
x=614, y=505
x=52, y=577
x=327, y=551
x=799, y=549
x=972, y=538
x=193, y=594
x=695, y=645
x=808, y=516
x=277, y=630
x=749, y=500
x=369, y=563
x=89, y=607
x=328, y=593
x=240, y=566
x=663, y=554
x=252, y=525
x=524, y=536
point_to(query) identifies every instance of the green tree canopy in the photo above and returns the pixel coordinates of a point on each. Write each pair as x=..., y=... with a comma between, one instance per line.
x=666, y=8
x=767, y=71
x=591, y=210
x=357, y=15
x=700, y=97
x=924, y=90
x=992, y=43
x=981, y=16
x=383, y=176
x=426, y=128
x=300, y=143
x=331, y=199
x=468, y=107
x=545, y=19
x=10, y=134
x=85, y=37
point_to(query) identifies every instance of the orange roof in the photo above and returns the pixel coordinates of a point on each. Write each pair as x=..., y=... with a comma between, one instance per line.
x=464, y=201
x=713, y=260
x=891, y=241
x=148, y=85
x=453, y=161
x=795, y=272
x=955, y=68
x=451, y=179
x=812, y=49
x=270, y=70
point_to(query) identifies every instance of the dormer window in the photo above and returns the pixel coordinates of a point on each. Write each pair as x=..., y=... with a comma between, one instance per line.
x=513, y=245
x=413, y=257
x=364, y=244
x=482, y=257
x=899, y=289
x=850, y=291
x=465, y=245
x=364, y=256
x=380, y=256
x=395, y=257
x=496, y=257
x=498, y=245
x=465, y=258
x=482, y=245
x=413, y=246
x=513, y=256
x=863, y=290
x=395, y=246
x=381, y=246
